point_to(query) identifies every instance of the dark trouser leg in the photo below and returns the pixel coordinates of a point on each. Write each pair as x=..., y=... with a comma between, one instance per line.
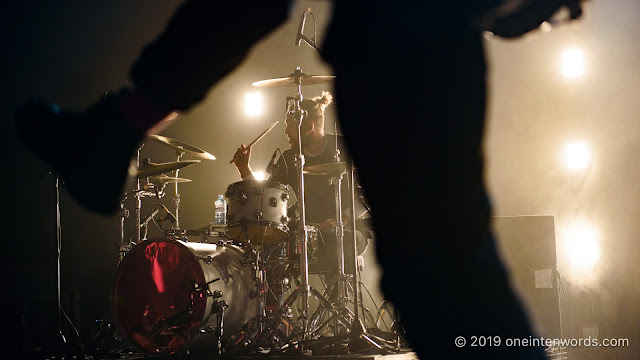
x=204, y=41
x=411, y=104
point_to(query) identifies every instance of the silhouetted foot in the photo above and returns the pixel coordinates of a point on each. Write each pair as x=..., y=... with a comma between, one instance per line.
x=92, y=151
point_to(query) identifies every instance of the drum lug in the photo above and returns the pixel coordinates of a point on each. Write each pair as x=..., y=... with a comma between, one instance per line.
x=223, y=304
x=206, y=259
x=285, y=220
x=285, y=197
x=216, y=294
x=240, y=197
x=257, y=214
x=258, y=191
x=273, y=202
x=208, y=330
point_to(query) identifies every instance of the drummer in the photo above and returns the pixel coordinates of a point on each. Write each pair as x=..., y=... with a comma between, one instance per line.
x=318, y=147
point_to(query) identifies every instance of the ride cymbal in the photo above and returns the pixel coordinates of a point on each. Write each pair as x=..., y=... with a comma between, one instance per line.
x=183, y=147
x=295, y=79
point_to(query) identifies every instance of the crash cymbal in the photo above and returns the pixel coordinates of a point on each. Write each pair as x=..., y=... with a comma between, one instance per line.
x=181, y=146
x=151, y=169
x=334, y=169
x=164, y=179
x=295, y=79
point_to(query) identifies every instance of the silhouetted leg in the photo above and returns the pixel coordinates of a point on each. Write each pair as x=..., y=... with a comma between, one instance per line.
x=203, y=42
x=411, y=92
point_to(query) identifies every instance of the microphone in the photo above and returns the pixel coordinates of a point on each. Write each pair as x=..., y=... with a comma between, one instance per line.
x=300, y=34
x=169, y=215
x=155, y=212
x=272, y=162
x=149, y=217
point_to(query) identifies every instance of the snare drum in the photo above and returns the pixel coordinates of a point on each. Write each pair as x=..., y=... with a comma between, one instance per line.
x=258, y=209
x=166, y=295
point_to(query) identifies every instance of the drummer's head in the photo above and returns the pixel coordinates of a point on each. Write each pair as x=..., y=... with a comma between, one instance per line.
x=313, y=122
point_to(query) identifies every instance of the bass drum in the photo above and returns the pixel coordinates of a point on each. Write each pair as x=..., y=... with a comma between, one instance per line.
x=163, y=297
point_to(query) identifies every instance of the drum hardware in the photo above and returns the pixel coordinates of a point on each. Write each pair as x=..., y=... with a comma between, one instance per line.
x=295, y=79
x=181, y=149
x=264, y=332
x=147, y=169
x=346, y=323
x=358, y=336
x=298, y=114
x=219, y=307
x=61, y=341
x=303, y=290
x=123, y=214
x=339, y=288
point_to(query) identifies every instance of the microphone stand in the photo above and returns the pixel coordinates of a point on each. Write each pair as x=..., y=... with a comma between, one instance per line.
x=58, y=251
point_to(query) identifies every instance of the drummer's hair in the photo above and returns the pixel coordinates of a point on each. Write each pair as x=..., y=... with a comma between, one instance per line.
x=315, y=107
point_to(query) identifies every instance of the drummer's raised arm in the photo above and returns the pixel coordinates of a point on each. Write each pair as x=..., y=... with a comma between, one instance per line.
x=241, y=161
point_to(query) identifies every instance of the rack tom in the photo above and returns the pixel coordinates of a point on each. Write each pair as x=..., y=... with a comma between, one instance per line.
x=257, y=211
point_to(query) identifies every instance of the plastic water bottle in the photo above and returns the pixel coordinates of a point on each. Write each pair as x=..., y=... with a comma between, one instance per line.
x=221, y=211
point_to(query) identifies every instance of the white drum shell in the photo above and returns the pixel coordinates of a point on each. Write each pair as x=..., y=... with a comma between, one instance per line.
x=161, y=289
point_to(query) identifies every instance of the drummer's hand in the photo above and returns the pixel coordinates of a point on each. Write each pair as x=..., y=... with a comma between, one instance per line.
x=241, y=160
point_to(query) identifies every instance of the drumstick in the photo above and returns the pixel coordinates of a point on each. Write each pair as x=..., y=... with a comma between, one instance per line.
x=258, y=138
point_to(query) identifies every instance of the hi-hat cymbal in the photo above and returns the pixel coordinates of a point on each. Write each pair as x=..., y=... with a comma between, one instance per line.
x=295, y=79
x=333, y=168
x=164, y=179
x=151, y=169
x=181, y=146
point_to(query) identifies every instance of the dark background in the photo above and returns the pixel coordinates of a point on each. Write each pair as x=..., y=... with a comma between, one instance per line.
x=73, y=51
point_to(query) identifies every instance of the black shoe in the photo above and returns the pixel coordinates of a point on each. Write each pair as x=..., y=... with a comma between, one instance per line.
x=92, y=151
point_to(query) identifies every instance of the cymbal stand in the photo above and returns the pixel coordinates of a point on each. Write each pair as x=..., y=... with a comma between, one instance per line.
x=297, y=112
x=123, y=247
x=253, y=336
x=357, y=333
x=357, y=327
x=176, y=198
x=341, y=285
x=138, y=197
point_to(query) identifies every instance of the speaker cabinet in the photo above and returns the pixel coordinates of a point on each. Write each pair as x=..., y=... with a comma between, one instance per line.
x=528, y=248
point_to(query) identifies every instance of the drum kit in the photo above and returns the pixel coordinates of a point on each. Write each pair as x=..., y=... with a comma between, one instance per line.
x=243, y=286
